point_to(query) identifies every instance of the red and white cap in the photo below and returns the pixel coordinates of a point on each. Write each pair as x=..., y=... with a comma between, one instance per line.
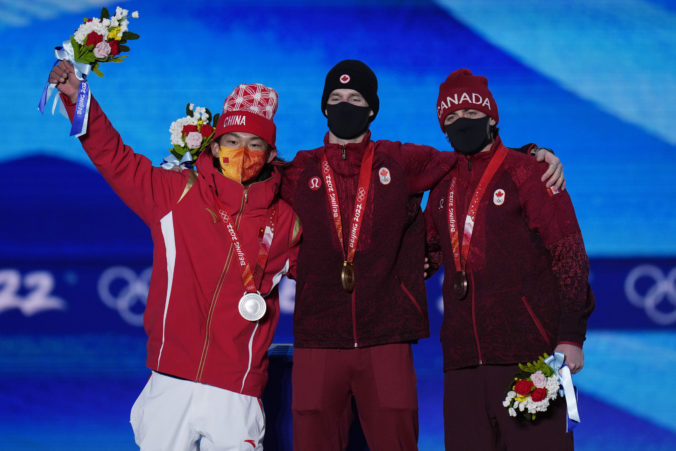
x=250, y=108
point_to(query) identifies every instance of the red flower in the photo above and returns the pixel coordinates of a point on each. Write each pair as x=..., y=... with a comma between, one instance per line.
x=189, y=128
x=523, y=387
x=206, y=130
x=538, y=394
x=114, y=47
x=93, y=39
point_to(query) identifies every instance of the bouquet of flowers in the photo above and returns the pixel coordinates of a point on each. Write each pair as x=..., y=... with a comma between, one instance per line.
x=190, y=135
x=98, y=40
x=534, y=387
x=101, y=40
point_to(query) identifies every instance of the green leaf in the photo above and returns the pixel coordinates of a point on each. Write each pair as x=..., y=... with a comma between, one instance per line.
x=123, y=48
x=104, y=13
x=88, y=58
x=188, y=111
x=129, y=36
x=208, y=115
x=96, y=70
x=215, y=121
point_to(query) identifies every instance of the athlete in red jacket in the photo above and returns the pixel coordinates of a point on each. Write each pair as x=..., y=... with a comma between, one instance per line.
x=218, y=234
x=515, y=282
x=360, y=299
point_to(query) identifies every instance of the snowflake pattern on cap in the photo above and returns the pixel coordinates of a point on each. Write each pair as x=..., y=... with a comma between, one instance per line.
x=255, y=98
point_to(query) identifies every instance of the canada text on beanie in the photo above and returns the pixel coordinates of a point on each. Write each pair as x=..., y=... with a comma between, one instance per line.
x=353, y=74
x=250, y=108
x=463, y=90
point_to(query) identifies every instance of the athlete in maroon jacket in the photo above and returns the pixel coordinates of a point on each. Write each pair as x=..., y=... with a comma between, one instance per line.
x=360, y=299
x=515, y=281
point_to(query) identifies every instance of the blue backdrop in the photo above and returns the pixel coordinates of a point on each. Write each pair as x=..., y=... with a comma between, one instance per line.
x=595, y=81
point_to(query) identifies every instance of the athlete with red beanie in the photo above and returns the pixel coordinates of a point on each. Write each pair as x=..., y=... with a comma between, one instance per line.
x=360, y=302
x=222, y=241
x=515, y=281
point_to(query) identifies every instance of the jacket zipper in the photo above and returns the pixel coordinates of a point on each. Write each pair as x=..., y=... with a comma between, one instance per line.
x=476, y=333
x=354, y=318
x=535, y=319
x=219, y=286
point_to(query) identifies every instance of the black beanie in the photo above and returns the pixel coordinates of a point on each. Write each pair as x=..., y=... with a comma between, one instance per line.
x=353, y=74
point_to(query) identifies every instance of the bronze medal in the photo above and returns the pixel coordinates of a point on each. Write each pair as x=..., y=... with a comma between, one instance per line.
x=347, y=276
x=460, y=284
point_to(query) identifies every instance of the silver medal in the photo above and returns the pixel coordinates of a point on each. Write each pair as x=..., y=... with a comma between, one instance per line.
x=252, y=306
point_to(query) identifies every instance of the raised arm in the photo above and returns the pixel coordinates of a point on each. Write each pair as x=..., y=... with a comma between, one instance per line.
x=146, y=190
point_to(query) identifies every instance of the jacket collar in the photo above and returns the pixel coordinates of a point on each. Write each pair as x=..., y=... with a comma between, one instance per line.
x=483, y=156
x=354, y=153
x=259, y=195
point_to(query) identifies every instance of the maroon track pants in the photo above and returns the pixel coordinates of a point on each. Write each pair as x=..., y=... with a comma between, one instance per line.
x=475, y=419
x=380, y=379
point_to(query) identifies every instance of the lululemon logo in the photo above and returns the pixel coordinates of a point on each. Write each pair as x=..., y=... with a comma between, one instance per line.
x=314, y=183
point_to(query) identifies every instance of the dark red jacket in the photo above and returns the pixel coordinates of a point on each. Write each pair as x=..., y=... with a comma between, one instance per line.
x=388, y=304
x=527, y=267
x=194, y=327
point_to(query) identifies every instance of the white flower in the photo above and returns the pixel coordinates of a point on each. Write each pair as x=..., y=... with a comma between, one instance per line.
x=512, y=412
x=83, y=30
x=193, y=140
x=176, y=130
x=506, y=402
x=134, y=14
x=102, y=50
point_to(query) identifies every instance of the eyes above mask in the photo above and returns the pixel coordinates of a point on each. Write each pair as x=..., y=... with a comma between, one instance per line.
x=469, y=136
x=346, y=120
x=241, y=164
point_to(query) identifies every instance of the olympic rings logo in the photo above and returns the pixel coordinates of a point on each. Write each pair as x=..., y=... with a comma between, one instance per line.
x=361, y=195
x=121, y=289
x=661, y=288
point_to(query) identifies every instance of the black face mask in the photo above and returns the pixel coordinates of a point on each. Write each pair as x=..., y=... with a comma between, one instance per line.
x=346, y=120
x=468, y=136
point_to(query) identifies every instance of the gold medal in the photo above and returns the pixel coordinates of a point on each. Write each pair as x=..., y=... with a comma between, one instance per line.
x=460, y=284
x=347, y=276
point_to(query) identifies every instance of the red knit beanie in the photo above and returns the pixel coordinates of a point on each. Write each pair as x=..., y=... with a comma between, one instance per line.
x=462, y=90
x=250, y=109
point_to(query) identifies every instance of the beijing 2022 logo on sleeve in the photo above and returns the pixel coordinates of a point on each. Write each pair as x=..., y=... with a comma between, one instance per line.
x=649, y=288
x=121, y=289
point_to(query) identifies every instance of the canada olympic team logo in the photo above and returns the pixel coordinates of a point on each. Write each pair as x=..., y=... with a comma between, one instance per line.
x=121, y=289
x=653, y=290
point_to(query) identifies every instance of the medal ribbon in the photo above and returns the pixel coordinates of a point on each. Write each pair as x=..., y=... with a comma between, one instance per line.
x=460, y=255
x=264, y=240
x=359, y=203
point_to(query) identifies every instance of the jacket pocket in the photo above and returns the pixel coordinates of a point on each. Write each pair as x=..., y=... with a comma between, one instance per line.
x=412, y=298
x=537, y=322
